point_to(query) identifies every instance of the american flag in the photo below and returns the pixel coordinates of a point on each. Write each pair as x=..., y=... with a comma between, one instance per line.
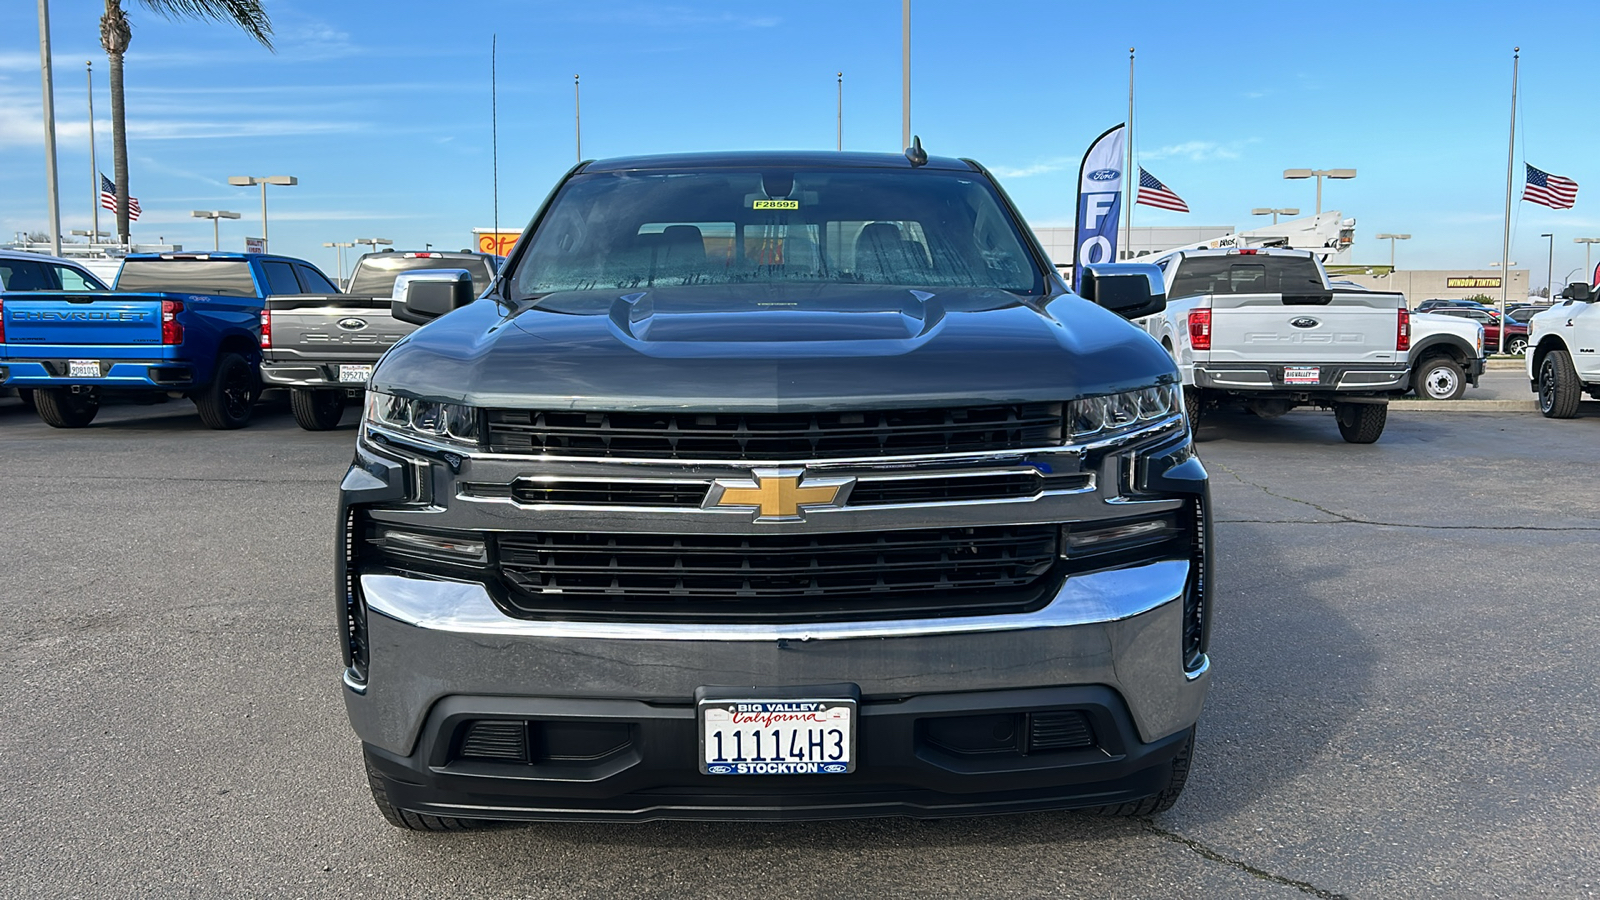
x=1549, y=190
x=108, y=199
x=1154, y=193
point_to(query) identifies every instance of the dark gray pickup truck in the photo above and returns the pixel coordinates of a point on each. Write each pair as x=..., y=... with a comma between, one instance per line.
x=322, y=346
x=775, y=486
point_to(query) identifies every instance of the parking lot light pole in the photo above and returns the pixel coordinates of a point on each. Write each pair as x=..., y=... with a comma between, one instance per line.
x=1588, y=271
x=263, y=180
x=214, y=215
x=1275, y=213
x=374, y=243
x=1392, y=238
x=1318, y=174
x=1550, y=269
x=339, y=249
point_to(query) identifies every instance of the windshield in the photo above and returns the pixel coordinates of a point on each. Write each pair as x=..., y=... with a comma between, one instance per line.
x=633, y=230
x=375, y=275
x=220, y=277
x=1255, y=274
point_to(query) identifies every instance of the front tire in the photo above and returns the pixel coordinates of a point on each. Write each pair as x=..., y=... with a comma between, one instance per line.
x=226, y=402
x=1194, y=407
x=65, y=408
x=1162, y=801
x=1361, y=423
x=1440, y=379
x=316, y=410
x=410, y=821
x=1559, y=387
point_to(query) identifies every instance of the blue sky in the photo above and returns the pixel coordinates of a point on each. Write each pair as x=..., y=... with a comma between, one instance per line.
x=382, y=110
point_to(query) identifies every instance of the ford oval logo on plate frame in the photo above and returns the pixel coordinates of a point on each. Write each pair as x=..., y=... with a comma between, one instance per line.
x=1304, y=322
x=1104, y=175
x=352, y=324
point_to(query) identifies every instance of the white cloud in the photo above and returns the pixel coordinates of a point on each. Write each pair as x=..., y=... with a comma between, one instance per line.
x=1043, y=167
x=1197, y=151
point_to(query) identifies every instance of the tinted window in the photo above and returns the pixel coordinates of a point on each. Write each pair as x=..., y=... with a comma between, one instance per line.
x=315, y=282
x=1255, y=274
x=27, y=275
x=223, y=277
x=280, y=278
x=375, y=275
x=74, y=280
x=629, y=230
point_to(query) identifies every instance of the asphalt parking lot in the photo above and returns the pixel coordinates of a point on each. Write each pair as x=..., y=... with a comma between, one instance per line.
x=1404, y=705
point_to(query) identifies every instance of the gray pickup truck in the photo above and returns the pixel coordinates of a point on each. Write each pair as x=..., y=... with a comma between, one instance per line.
x=322, y=346
x=774, y=486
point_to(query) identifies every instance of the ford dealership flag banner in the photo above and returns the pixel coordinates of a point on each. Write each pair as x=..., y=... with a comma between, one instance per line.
x=1099, y=202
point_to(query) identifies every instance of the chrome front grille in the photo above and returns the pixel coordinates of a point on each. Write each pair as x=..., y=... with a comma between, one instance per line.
x=940, y=571
x=774, y=436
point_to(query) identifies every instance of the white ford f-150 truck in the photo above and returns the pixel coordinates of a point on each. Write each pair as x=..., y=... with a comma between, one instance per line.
x=1263, y=328
x=1564, y=352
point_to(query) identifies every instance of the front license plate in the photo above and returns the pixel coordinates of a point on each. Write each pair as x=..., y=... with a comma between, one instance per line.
x=1302, y=375
x=355, y=374
x=777, y=737
x=83, y=368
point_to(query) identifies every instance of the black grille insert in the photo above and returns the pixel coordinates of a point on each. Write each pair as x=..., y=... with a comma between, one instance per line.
x=1064, y=730
x=504, y=740
x=940, y=571
x=773, y=436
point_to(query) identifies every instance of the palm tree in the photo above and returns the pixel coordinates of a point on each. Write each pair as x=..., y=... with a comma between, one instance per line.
x=115, y=33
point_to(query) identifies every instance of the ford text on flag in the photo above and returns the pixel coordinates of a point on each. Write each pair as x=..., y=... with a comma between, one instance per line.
x=1099, y=202
x=1549, y=190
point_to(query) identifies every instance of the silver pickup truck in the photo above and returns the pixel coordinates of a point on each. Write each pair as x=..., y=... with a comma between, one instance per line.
x=1265, y=329
x=322, y=346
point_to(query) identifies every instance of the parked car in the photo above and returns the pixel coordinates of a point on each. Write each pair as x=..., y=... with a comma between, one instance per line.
x=774, y=486
x=1516, y=332
x=1438, y=304
x=1265, y=329
x=1521, y=314
x=322, y=346
x=22, y=271
x=178, y=324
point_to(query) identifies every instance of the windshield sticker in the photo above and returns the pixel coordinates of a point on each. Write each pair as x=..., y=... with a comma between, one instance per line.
x=775, y=204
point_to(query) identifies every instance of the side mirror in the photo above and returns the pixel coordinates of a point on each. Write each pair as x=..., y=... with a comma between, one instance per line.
x=1579, y=291
x=420, y=297
x=1132, y=290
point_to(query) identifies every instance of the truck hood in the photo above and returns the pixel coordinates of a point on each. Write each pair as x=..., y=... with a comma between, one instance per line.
x=765, y=348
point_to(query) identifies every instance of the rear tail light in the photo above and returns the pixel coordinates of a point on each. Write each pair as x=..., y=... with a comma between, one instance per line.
x=1200, y=329
x=171, y=331
x=1402, y=336
x=266, y=329
x=2, y=321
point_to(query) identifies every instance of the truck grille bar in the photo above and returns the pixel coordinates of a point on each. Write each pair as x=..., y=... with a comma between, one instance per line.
x=936, y=570
x=773, y=436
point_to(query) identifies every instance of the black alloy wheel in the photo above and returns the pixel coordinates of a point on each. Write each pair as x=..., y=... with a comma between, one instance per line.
x=1559, y=387
x=225, y=403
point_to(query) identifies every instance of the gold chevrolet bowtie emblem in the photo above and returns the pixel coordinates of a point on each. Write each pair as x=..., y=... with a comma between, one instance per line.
x=777, y=494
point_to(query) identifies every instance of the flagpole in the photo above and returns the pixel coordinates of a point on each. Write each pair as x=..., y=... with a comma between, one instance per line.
x=1128, y=175
x=1511, y=167
x=94, y=236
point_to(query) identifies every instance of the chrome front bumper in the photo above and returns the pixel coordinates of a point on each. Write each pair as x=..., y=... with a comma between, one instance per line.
x=430, y=640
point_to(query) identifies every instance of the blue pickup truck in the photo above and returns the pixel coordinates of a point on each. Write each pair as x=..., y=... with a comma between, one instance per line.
x=176, y=325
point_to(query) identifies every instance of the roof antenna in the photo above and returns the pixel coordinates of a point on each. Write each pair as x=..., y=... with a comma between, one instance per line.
x=915, y=153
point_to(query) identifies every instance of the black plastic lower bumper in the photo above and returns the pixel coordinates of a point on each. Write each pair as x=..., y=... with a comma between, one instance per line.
x=923, y=756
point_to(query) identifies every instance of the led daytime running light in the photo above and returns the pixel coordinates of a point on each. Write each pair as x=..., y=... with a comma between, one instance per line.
x=1113, y=414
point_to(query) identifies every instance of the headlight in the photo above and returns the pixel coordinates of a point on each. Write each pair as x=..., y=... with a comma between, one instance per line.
x=1113, y=414
x=448, y=422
